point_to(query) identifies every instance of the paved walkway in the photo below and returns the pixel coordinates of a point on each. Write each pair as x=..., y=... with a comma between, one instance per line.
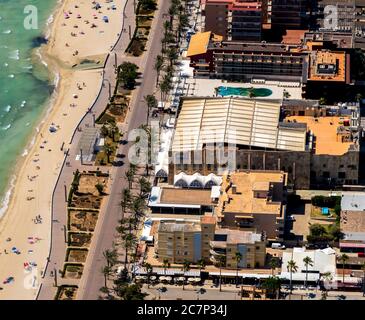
x=59, y=204
x=93, y=279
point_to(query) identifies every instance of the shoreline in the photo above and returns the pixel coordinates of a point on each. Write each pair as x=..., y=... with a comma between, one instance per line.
x=14, y=220
x=53, y=75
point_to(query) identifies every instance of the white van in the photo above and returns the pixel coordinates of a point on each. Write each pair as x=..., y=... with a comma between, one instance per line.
x=277, y=245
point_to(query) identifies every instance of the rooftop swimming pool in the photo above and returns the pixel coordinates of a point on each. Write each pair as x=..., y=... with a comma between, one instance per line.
x=245, y=92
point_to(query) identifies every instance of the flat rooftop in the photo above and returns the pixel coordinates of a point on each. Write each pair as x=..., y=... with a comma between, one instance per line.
x=352, y=221
x=325, y=132
x=198, y=43
x=179, y=197
x=243, y=201
x=260, y=48
x=327, y=66
x=353, y=212
x=179, y=226
x=293, y=36
x=224, y=236
x=239, y=121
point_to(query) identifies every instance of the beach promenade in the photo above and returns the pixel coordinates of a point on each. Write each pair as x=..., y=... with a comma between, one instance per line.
x=104, y=234
x=25, y=229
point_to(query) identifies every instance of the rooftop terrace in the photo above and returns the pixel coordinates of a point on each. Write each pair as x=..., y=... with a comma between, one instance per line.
x=325, y=132
x=243, y=199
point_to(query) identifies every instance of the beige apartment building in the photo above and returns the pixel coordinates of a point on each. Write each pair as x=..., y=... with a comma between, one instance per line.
x=254, y=201
x=179, y=240
x=228, y=243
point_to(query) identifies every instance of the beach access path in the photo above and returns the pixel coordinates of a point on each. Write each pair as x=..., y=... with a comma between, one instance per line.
x=104, y=234
x=93, y=279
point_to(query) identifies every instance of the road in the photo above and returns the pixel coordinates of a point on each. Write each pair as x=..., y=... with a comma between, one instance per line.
x=59, y=207
x=105, y=234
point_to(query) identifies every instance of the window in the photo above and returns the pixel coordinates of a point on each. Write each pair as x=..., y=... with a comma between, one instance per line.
x=342, y=175
x=248, y=250
x=325, y=174
x=324, y=165
x=248, y=265
x=257, y=248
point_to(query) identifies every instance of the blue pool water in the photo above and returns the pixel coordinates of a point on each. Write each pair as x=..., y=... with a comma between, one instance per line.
x=244, y=92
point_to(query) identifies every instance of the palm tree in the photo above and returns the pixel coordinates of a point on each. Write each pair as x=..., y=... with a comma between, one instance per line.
x=151, y=103
x=221, y=262
x=133, y=168
x=172, y=55
x=165, y=264
x=286, y=94
x=138, y=206
x=272, y=286
x=159, y=62
x=111, y=257
x=185, y=268
x=144, y=186
x=292, y=267
x=164, y=89
x=149, y=270
x=126, y=199
x=307, y=262
x=129, y=175
x=343, y=259
x=274, y=263
x=327, y=276
x=238, y=257
x=108, y=149
x=106, y=272
x=201, y=264
x=129, y=243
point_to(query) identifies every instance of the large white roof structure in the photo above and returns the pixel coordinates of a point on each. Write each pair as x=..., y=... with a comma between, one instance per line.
x=234, y=120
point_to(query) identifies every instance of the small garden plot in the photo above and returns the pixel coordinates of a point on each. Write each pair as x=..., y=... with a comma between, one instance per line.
x=66, y=293
x=76, y=255
x=88, y=182
x=137, y=46
x=82, y=220
x=86, y=202
x=79, y=239
x=144, y=21
x=73, y=271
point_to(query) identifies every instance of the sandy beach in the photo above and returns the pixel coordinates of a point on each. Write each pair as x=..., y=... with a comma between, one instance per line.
x=25, y=227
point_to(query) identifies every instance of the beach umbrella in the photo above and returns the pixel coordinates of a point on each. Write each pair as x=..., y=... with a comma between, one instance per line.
x=105, y=19
x=14, y=250
x=180, y=279
x=191, y=279
x=153, y=278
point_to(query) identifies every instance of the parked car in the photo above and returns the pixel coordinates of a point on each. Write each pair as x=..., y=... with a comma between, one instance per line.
x=341, y=297
x=277, y=245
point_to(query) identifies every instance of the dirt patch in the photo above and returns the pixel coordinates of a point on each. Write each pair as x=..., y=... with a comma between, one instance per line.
x=79, y=239
x=76, y=255
x=66, y=293
x=82, y=220
x=73, y=271
x=87, y=184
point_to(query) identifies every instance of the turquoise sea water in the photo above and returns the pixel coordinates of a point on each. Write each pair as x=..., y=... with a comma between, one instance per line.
x=25, y=88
